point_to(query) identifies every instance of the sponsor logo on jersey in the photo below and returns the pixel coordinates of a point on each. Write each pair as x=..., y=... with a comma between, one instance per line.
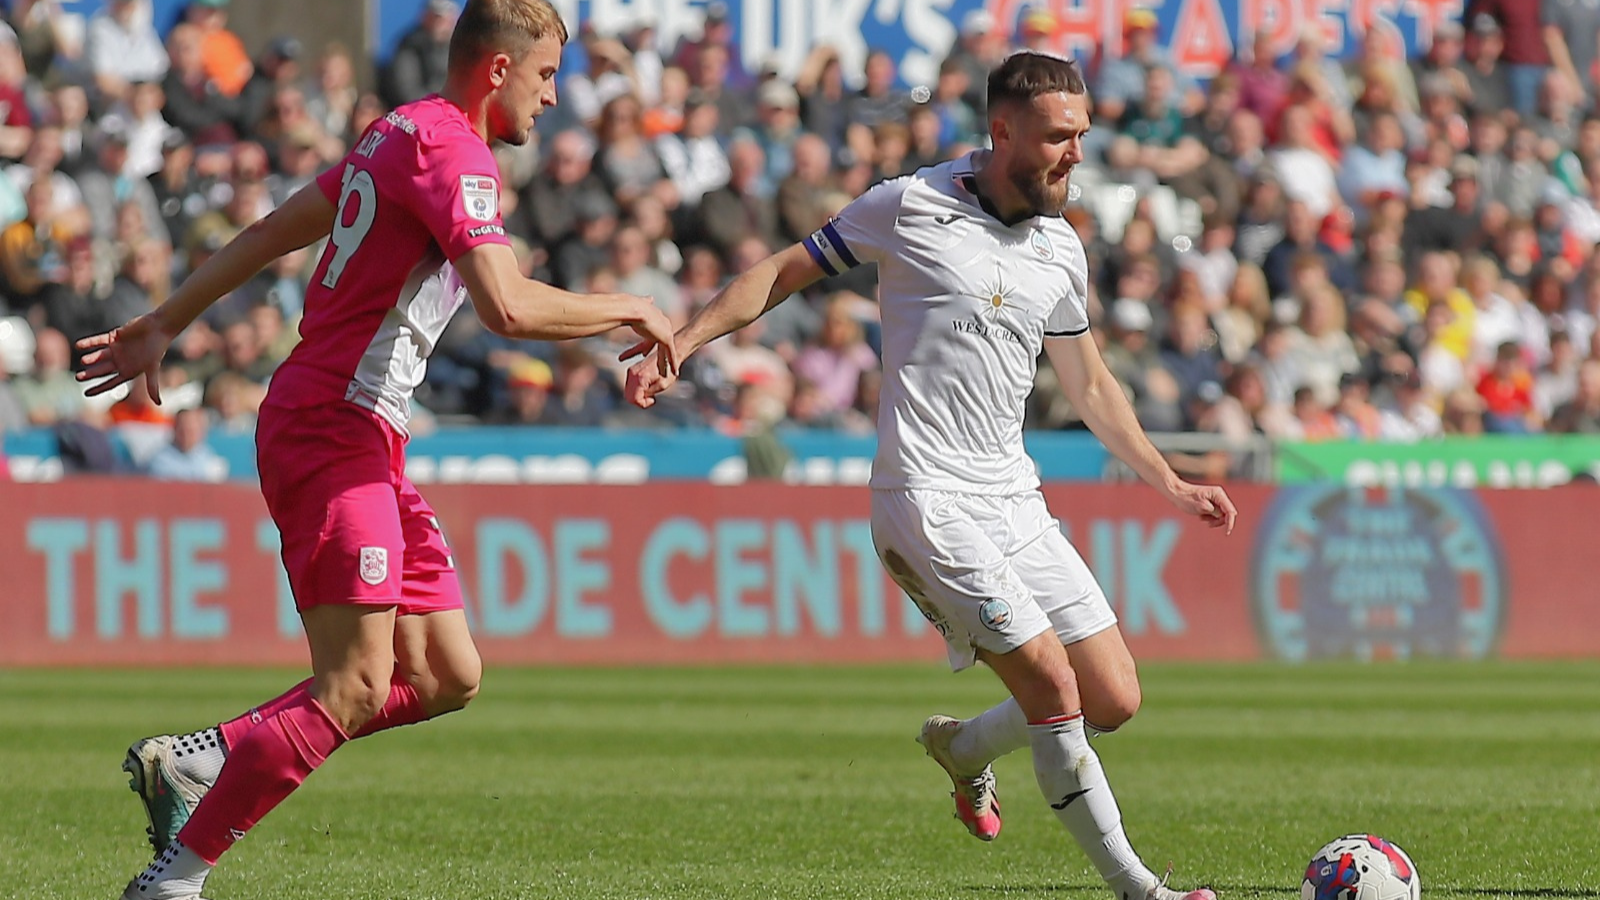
x=374, y=565
x=480, y=197
x=1043, y=246
x=950, y=219
x=995, y=614
x=482, y=230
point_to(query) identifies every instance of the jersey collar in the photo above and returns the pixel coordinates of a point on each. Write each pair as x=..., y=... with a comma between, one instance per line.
x=965, y=174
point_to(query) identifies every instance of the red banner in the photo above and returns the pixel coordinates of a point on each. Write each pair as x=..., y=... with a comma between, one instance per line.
x=132, y=572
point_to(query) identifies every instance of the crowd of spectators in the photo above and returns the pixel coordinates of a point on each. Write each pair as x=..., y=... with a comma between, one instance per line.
x=1374, y=247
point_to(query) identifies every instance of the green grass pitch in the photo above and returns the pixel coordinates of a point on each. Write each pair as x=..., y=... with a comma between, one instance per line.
x=805, y=783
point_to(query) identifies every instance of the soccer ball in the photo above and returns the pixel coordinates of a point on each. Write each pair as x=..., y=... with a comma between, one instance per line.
x=1361, y=867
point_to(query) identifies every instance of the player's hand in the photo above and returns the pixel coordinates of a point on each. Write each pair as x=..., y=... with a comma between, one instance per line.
x=1208, y=501
x=647, y=378
x=123, y=354
x=656, y=330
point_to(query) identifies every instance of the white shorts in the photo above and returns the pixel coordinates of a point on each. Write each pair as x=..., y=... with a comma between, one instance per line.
x=988, y=572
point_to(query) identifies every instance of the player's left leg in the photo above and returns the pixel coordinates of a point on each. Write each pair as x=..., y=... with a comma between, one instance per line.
x=1054, y=573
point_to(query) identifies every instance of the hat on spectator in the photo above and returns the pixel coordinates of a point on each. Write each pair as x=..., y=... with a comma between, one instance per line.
x=1208, y=392
x=1138, y=17
x=1131, y=315
x=1039, y=22
x=16, y=345
x=979, y=21
x=589, y=207
x=1465, y=168
x=1484, y=23
x=717, y=11
x=1351, y=379
x=530, y=373
x=113, y=130
x=778, y=95
x=286, y=47
x=1449, y=29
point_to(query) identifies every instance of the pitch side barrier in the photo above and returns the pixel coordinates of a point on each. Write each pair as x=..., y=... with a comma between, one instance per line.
x=125, y=571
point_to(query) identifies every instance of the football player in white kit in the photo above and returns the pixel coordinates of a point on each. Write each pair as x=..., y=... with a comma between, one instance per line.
x=979, y=273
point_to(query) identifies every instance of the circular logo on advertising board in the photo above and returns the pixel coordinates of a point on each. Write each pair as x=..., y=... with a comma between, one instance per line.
x=1365, y=573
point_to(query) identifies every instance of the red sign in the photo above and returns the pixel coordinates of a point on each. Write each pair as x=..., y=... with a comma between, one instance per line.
x=133, y=572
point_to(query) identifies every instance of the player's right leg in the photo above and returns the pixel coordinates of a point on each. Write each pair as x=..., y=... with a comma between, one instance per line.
x=1039, y=675
x=352, y=658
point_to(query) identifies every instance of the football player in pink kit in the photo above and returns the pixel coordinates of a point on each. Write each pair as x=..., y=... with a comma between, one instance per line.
x=413, y=227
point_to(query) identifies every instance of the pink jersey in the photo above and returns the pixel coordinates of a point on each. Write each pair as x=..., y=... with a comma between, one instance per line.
x=419, y=190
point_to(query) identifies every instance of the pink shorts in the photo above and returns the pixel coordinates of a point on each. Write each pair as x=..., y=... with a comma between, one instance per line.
x=354, y=528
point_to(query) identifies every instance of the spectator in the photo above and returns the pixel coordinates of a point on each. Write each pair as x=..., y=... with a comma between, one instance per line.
x=709, y=80
x=122, y=48
x=566, y=184
x=836, y=360
x=108, y=185
x=1488, y=81
x=775, y=131
x=637, y=274
x=823, y=95
x=1526, y=55
x=1263, y=86
x=1323, y=347
x=1300, y=165
x=626, y=161
x=15, y=358
x=528, y=391
x=1189, y=352
x=609, y=76
x=75, y=303
x=694, y=158
x=741, y=359
x=580, y=397
x=51, y=394
x=1581, y=414
x=1410, y=416
x=1123, y=78
x=223, y=54
x=878, y=101
x=31, y=250
x=278, y=68
x=716, y=34
x=1313, y=421
x=16, y=121
x=196, y=103
x=1358, y=419
x=588, y=247
x=188, y=457
x=1569, y=37
x=422, y=57
x=332, y=100
x=979, y=48
x=1241, y=322
x=1557, y=380
x=739, y=209
x=1507, y=392
x=1135, y=361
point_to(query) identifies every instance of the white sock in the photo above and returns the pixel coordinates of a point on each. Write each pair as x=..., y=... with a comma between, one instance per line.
x=989, y=735
x=177, y=873
x=1075, y=786
x=200, y=754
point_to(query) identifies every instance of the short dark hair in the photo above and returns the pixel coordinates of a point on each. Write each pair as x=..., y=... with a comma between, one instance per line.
x=1027, y=74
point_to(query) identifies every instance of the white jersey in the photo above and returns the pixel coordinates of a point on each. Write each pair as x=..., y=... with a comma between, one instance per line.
x=967, y=302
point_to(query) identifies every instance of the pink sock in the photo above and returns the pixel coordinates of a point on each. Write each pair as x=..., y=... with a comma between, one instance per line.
x=234, y=730
x=263, y=768
x=403, y=707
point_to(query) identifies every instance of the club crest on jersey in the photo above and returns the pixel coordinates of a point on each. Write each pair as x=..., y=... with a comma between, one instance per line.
x=374, y=565
x=480, y=197
x=1043, y=247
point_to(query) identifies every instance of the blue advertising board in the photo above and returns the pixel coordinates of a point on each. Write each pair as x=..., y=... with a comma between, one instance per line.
x=464, y=455
x=1200, y=34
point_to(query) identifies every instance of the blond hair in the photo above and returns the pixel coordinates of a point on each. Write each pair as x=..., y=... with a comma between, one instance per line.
x=503, y=26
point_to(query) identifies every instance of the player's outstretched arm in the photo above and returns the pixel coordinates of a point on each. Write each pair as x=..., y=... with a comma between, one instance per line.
x=518, y=307
x=745, y=299
x=137, y=348
x=1097, y=396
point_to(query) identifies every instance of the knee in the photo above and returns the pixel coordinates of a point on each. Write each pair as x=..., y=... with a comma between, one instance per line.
x=352, y=699
x=453, y=686
x=1048, y=693
x=1114, y=711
